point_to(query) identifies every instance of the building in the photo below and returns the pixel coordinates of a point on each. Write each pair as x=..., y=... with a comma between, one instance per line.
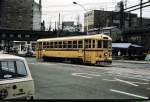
x=20, y=15
x=17, y=15
x=145, y=22
x=113, y=32
x=99, y=19
x=37, y=16
x=71, y=26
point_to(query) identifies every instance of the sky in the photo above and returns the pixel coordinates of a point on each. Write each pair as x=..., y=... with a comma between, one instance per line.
x=70, y=12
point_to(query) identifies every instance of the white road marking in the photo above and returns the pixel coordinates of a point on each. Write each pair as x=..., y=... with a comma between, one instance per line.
x=92, y=74
x=77, y=74
x=148, y=88
x=108, y=80
x=127, y=82
x=117, y=91
x=133, y=77
x=85, y=75
x=140, y=83
x=39, y=63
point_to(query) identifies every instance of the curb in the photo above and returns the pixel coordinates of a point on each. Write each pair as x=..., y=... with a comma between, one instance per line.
x=135, y=62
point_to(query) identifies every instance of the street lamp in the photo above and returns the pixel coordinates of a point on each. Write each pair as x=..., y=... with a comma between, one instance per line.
x=85, y=11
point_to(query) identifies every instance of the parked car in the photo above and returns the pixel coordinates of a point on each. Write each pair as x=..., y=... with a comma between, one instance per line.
x=15, y=78
x=30, y=53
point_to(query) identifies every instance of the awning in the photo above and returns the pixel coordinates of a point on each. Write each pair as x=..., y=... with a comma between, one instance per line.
x=133, y=45
x=147, y=58
x=124, y=45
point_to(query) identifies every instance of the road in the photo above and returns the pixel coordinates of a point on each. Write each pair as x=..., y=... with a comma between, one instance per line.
x=54, y=80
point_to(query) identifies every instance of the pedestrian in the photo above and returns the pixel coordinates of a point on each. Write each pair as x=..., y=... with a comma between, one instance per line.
x=119, y=53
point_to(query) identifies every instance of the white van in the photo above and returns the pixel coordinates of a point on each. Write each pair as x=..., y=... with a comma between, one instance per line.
x=15, y=78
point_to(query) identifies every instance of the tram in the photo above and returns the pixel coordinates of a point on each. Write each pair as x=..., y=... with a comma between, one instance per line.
x=92, y=49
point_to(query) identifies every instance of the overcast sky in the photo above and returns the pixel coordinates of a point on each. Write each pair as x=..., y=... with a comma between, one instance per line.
x=69, y=12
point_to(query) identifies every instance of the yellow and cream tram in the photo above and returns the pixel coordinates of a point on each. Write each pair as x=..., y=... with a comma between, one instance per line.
x=93, y=49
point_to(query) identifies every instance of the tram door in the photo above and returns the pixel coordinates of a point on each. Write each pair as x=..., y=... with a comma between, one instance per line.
x=87, y=55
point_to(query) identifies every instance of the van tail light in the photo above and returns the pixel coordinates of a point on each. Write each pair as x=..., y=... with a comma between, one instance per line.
x=3, y=93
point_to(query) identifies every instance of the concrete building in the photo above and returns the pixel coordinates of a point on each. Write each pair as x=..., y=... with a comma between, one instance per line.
x=71, y=26
x=99, y=19
x=17, y=16
x=20, y=15
x=37, y=16
x=145, y=22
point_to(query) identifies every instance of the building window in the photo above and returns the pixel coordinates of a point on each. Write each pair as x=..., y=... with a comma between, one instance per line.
x=11, y=35
x=19, y=35
x=20, y=18
x=27, y=36
x=3, y=35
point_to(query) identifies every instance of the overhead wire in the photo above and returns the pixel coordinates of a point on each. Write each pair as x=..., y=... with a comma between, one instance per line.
x=68, y=5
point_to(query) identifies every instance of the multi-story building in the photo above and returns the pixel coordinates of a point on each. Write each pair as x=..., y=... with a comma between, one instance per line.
x=37, y=14
x=17, y=16
x=145, y=22
x=99, y=19
x=20, y=15
x=71, y=27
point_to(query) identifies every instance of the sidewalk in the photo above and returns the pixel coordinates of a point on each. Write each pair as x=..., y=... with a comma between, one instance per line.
x=132, y=61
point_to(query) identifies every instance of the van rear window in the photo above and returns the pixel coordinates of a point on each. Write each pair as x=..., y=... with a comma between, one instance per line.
x=12, y=69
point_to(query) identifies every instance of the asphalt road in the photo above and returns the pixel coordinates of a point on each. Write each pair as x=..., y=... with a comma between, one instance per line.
x=55, y=80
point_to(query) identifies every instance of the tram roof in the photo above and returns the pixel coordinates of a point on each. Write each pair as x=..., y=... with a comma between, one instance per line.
x=97, y=36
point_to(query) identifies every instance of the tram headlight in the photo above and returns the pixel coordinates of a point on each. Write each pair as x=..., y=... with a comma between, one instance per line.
x=43, y=50
x=105, y=54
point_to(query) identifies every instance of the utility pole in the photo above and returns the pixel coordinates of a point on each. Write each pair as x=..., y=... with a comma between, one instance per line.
x=55, y=25
x=59, y=22
x=78, y=23
x=58, y=33
x=121, y=19
x=121, y=15
x=125, y=4
x=141, y=22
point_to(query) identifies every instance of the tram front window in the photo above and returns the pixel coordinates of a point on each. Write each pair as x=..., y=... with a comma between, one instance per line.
x=105, y=43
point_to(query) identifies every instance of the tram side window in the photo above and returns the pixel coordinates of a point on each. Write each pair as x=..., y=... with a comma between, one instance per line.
x=99, y=44
x=93, y=44
x=40, y=45
x=44, y=44
x=89, y=43
x=51, y=44
x=80, y=44
x=59, y=44
x=55, y=44
x=74, y=44
x=48, y=45
x=105, y=43
x=109, y=44
x=69, y=44
x=64, y=44
x=86, y=43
